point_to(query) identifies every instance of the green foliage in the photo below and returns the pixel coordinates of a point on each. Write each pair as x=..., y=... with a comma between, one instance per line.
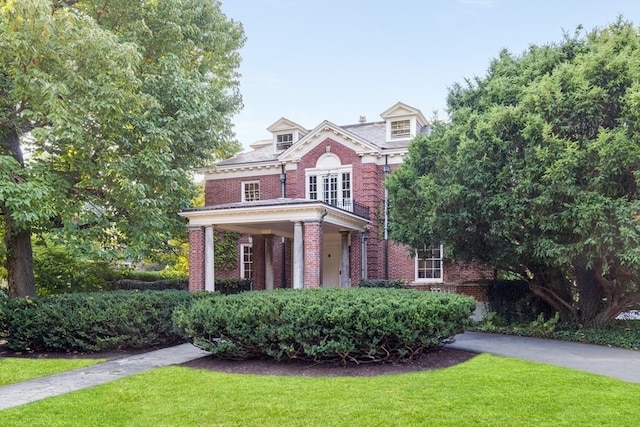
x=57, y=271
x=514, y=302
x=143, y=276
x=226, y=250
x=538, y=173
x=346, y=325
x=121, y=102
x=145, y=285
x=618, y=333
x=381, y=283
x=92, y=321
x=228, y=286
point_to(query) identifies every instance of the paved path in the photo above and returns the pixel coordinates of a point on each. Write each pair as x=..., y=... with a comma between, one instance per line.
x=28, y=391
x=608, y=361
x=612, y=362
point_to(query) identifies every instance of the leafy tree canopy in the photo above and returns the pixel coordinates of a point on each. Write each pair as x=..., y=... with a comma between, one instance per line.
x=538, y=172
x=117, y=102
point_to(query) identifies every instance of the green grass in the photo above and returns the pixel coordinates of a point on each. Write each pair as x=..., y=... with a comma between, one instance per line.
x=13, y=370
x=485, y=391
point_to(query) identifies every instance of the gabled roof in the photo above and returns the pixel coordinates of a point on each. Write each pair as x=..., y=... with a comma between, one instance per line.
x=283, y=124
x=401, y=109
x=320, y=133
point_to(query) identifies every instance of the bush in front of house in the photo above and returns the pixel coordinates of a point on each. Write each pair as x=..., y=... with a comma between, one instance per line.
x=90, y=322
x=157, y=285
x=382, y=283
x=346, y=325
x=228, y=286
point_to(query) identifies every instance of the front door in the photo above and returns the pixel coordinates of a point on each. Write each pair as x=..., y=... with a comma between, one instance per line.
x=331, y=261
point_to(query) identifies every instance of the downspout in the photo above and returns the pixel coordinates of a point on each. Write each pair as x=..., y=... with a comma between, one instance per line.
x=283, y=190
x=386, y=171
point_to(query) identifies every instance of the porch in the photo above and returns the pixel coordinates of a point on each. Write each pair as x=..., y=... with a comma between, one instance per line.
x=328, y=242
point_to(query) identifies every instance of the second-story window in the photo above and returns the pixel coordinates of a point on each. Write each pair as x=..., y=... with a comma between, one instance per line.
x=250, y=191
x=331, y=188
x=400, y=128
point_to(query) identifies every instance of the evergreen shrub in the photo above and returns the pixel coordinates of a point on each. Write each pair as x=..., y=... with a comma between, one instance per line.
x=90, y=322
x=228, y=286
x=338, y=324
x=157, y=285
x=382, y=283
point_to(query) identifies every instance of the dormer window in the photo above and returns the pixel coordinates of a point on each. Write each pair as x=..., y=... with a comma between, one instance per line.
x=400, y=128
x=284, y=141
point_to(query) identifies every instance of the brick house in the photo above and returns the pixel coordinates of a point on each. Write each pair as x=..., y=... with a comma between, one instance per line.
x=311, y=207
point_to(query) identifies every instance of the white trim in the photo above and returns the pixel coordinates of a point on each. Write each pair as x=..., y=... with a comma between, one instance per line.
x=243, y=187
x=242, y=266
x=429, y=280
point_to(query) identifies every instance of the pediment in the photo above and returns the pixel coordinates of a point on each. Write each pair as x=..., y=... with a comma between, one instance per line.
x=323, y=131
x=401, y=109
x=283, y=125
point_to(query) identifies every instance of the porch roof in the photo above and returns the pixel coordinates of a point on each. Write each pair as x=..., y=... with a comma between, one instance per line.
x=275, y=216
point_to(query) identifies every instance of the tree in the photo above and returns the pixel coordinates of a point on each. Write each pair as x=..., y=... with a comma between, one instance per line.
x=538, y=173
x=117, y=102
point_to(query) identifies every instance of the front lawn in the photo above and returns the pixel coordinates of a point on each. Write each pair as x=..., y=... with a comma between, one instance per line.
x=13, y=369
x=487, y=390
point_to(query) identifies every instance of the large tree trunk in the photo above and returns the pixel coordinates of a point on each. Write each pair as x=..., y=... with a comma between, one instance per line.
x=17, y=240
x=591, y=294
x=19, y=262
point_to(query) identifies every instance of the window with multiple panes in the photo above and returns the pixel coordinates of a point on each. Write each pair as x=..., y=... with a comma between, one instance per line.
x=346, y=188
x=313, y=187
x=429, y=264
x=246, y=266
x=250, y=191
x=284, y=140
x=331, y=188
x=400, y=128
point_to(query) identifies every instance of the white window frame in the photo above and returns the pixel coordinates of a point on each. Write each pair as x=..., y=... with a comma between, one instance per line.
x=321, y=178
x=284, y=140
x=243, y=262
x=439, y=268
x=400, y=128
x=245, y=184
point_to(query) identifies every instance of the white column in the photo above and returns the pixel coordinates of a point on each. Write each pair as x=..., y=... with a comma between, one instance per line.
x=268, y=262
x=298, y=256
x=209, y=269
x=345, y=274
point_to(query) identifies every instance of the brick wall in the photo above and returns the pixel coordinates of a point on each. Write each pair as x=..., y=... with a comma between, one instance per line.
x=220, y=191
x=196, y=259
x=312, y=254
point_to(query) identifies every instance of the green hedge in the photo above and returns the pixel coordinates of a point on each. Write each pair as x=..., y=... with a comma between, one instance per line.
x=227, y=286
x=157, y=285
x=92, y=321
x=347, y=325
x=382, y=283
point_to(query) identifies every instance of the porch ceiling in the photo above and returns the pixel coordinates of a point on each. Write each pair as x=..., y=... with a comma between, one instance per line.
x=276, y=217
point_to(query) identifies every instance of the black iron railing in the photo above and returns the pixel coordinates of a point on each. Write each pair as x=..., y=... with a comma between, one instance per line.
x=350, y=205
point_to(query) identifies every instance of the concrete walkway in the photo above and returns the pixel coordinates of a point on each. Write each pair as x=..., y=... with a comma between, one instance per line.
x=609, y=361
x=612, y=362
x=54, y=385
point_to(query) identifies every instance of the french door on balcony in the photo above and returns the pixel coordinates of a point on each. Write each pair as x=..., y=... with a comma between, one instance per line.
x=331, y=188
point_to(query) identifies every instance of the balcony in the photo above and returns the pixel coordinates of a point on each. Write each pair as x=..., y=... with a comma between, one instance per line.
x=350, y=205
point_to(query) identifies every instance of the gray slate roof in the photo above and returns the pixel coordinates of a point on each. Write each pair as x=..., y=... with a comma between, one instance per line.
x=372, y=132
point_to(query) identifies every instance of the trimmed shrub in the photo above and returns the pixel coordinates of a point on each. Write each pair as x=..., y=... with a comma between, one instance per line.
x=347, y=325
x=381, y=283
x=93, y=321
x=228, y=286
x=158, y=285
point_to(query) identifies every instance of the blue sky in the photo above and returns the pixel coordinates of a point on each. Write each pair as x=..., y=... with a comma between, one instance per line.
x=311, y=60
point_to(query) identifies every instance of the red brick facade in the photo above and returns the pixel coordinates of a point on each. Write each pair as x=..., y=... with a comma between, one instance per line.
x=369, y=255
